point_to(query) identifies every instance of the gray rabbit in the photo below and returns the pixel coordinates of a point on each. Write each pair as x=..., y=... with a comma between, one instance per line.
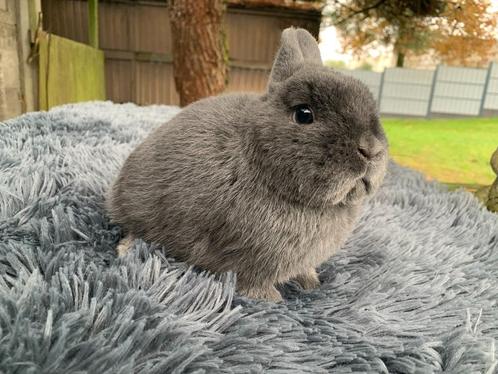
x=268, y=186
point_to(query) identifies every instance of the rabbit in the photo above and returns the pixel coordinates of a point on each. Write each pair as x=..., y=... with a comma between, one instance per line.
x=267, y=186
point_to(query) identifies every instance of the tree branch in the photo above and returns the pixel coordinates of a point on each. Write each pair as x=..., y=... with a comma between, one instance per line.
x=356, y=12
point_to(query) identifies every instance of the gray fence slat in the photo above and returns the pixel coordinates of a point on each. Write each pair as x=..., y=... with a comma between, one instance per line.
x=458, y=91
x=406, y=91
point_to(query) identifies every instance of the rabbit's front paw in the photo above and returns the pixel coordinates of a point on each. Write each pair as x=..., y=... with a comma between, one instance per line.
x=308, y=280
x=124, y=245
x=263, y=293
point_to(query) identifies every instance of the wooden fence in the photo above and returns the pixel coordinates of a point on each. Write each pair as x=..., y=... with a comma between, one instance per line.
x=136, y=39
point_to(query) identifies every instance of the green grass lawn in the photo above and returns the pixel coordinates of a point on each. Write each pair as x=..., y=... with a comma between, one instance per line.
x=453, y=151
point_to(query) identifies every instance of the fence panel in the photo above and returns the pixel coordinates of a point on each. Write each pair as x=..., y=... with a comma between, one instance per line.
x=70, y=72
x=491, y=100
x=458, y=91
x=406, y=92
x=370, y=78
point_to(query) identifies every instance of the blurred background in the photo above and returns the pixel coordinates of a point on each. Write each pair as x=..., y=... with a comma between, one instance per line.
x=432, y=65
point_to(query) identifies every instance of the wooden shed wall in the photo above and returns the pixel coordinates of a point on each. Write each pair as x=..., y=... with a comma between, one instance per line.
x=136, y=39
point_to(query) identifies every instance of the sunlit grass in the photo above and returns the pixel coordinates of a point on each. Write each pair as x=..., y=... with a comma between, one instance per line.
x=453, y=151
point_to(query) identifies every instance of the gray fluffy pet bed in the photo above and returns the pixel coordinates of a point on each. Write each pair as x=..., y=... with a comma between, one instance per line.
x=414, y=290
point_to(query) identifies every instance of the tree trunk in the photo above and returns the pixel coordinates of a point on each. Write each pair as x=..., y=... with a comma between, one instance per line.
x=198, y=48
x=400, y=60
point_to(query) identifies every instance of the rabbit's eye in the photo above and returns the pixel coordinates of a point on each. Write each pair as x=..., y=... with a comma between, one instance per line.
x=303, y=114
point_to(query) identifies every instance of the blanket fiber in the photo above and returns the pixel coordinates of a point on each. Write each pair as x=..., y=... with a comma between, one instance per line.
x=414, y=290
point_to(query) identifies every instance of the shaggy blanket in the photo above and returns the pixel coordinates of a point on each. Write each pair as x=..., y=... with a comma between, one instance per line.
x=414, y=290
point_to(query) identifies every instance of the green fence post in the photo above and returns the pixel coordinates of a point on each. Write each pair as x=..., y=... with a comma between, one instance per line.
x=93, y=23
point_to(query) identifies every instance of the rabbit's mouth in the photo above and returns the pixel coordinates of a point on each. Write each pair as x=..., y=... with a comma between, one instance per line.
x=352, y=188
x=362, y=188
x=355, y=190
x=367, y=185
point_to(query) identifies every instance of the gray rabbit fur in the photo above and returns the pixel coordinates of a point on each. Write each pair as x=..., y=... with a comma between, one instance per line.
x=233, y=182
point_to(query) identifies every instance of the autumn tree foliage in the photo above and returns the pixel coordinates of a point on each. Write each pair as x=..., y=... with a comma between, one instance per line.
x=466, y=34
x=461, y=32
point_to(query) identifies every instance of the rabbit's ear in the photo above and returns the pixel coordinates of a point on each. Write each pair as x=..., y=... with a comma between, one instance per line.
x=309, y=47
x=297, y=46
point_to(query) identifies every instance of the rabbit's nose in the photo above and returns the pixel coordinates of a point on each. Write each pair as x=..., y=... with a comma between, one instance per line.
x=370, y=147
